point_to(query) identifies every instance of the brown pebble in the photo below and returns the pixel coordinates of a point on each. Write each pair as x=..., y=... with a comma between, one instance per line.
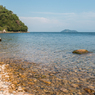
x=90, y=91
x=74, y=85
x=46, y=81
x=64, y=90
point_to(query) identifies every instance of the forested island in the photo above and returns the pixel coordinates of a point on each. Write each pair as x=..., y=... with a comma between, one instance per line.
x=10, y=22
x=67, y=30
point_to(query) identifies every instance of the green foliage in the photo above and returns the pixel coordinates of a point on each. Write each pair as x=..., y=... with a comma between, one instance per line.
x=10, y=22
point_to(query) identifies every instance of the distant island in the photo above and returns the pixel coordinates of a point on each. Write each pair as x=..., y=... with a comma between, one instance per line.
x=10, y=22
x=67, y=30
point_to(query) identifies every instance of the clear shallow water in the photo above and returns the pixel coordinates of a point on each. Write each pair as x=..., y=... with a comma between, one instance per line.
x=50, y=48
x=59, y=67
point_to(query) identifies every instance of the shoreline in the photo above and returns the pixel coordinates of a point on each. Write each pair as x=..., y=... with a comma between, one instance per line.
x=6, y=87
x=14, y=32
x=29, y=77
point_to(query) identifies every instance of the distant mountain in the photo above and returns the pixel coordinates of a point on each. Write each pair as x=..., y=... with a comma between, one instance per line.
x=10, y=22
x=67, y=30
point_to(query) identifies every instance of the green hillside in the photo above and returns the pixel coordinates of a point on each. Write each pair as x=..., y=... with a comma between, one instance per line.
x=10, y=22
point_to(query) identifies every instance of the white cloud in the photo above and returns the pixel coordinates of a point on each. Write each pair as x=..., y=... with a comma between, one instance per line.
x=37, y=19
x=51, y=13
x=40, y=23
x=59, y=21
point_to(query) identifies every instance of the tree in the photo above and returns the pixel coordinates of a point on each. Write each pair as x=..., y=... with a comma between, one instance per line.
x=11, y=21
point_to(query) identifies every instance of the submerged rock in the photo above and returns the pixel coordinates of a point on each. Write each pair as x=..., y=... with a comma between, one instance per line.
x=74, y=85
x=80, y=51
x=90, y=91
x=46, y=81
x=64, y=90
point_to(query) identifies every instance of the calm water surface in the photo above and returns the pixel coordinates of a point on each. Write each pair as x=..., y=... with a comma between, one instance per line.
x=55, y=62
x=50, y=48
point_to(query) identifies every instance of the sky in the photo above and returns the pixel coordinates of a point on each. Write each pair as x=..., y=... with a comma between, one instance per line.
x=54, y=15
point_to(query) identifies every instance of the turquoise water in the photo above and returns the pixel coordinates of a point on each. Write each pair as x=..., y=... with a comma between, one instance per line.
x=49, y=48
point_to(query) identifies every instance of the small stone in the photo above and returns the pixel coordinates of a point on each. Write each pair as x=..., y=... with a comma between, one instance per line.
x=46, y=81
x=74, y=85
x=19, y=93
x=91, y=87
x=13, y=86
x=20, y=89
x=64, y=90
x=90, y=91
x=79, y=93
x=27, y=94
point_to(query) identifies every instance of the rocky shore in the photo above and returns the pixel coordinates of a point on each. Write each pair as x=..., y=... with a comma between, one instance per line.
x=6, y=87
x=18, y=77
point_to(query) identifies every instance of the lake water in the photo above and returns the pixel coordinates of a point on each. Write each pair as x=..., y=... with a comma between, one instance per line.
x=48, y=48
x=52, y=52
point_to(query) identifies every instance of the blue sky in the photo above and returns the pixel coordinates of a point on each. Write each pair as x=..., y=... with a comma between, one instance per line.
x=54, y=15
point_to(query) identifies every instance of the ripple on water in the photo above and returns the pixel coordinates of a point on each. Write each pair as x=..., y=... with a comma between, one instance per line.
x=55, y=68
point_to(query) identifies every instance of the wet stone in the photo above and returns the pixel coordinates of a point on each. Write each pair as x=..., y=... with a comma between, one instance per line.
x=80, y=51
x=64, y=90
x=74, y=85
x=46, y=81
x=90, y=91
x=30, y=78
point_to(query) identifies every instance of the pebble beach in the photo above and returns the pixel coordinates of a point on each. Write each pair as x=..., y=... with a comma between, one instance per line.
x=24, y=78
